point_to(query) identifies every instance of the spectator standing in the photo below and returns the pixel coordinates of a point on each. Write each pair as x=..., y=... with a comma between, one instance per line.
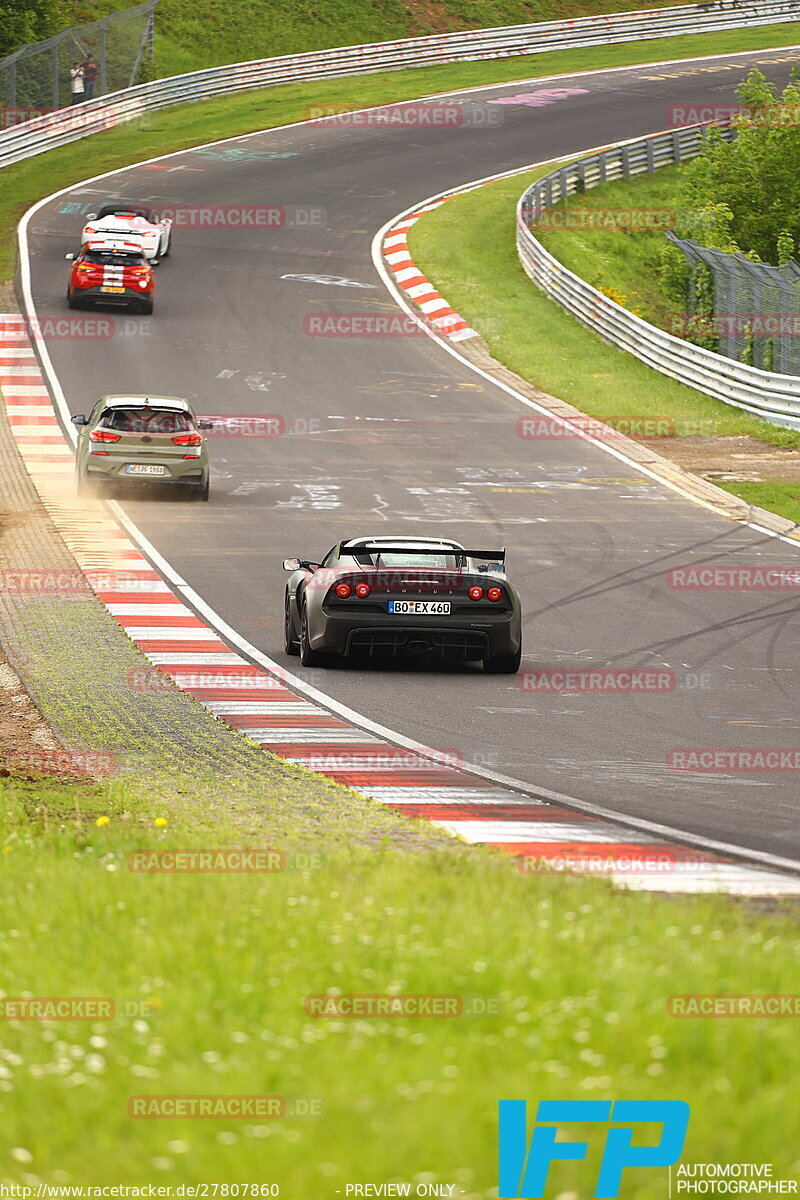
x=89, y=76
x=76, y=83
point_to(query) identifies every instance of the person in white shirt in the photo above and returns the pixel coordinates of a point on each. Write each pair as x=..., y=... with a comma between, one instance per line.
x=76, y=83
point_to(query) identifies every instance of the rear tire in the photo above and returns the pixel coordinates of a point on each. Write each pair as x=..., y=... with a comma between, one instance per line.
x=308, y=657
x=146, y=307
x=290, y=643
x=503, y=664
x=202, y=491
x=72, y=302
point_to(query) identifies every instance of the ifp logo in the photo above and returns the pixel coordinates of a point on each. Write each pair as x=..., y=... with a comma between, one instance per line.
x=524, y=1168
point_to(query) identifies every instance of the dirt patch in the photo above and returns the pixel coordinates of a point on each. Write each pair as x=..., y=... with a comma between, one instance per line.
x=22, y=730
x=8, y=301
x=731, y=459
x=431, y=16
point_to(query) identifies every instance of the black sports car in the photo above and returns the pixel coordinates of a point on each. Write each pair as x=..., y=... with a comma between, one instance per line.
x=403, y=596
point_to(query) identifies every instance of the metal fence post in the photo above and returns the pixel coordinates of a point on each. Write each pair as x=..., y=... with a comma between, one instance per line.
x=103, y=73
x=56, y=89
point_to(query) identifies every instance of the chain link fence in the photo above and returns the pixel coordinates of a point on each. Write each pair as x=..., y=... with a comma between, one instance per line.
x=750, y=313
x=36, y=79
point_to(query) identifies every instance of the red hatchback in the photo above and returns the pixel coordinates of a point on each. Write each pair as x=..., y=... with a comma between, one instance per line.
x=110, y=273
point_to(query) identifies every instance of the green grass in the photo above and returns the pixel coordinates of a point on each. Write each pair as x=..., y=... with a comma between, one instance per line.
x=776, y=495
x=581, y=971
x=199, y=33
x=620, y=258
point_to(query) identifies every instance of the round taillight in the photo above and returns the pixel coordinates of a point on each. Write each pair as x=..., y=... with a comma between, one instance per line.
x=495, y=593
x=475, y=593
x=363, y=590
x=343, y=590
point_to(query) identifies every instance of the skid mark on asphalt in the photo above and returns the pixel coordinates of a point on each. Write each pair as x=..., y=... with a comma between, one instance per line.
x=261, y=705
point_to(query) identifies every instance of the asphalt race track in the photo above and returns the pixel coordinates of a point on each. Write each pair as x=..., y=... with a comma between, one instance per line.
x=394, y=435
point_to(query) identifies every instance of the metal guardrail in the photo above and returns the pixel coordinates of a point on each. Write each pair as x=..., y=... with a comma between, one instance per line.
x=56, y=129
x=776, y=398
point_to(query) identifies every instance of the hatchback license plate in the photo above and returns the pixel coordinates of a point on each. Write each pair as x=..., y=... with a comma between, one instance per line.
x=420, y=608
x=144, y=469
x=112, y=289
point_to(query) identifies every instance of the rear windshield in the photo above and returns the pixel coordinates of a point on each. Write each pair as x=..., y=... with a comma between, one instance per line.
x=107, y=258
x=112, y=210
x=146, y=420
x=440, y=562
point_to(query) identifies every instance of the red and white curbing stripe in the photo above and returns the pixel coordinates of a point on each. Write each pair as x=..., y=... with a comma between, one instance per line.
x=260, y=704
x=419, y=289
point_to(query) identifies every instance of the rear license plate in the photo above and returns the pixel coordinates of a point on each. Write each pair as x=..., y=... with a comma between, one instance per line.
x=420, y=608
x=143, y=469
x=112, y=289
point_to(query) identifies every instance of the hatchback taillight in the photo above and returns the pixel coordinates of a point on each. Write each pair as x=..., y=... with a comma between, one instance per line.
x=475, y=593
x=188, y=439
x=363, y=590
x=103, y=435
x=495, y=594
x=343, y=590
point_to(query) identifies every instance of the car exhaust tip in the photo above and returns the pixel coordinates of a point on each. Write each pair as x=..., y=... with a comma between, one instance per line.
x=419, y=647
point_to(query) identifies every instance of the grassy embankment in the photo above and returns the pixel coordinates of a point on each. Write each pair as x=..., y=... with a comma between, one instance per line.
x=191, y=34
x=221, y=964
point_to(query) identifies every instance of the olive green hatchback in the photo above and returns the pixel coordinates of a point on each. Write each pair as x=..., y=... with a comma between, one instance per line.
x=143, y=439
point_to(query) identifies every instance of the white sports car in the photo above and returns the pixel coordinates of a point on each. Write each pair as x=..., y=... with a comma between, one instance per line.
x=130, y=222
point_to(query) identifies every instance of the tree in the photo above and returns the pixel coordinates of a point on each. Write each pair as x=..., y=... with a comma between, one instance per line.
x=24, y=21
x=745, y=195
